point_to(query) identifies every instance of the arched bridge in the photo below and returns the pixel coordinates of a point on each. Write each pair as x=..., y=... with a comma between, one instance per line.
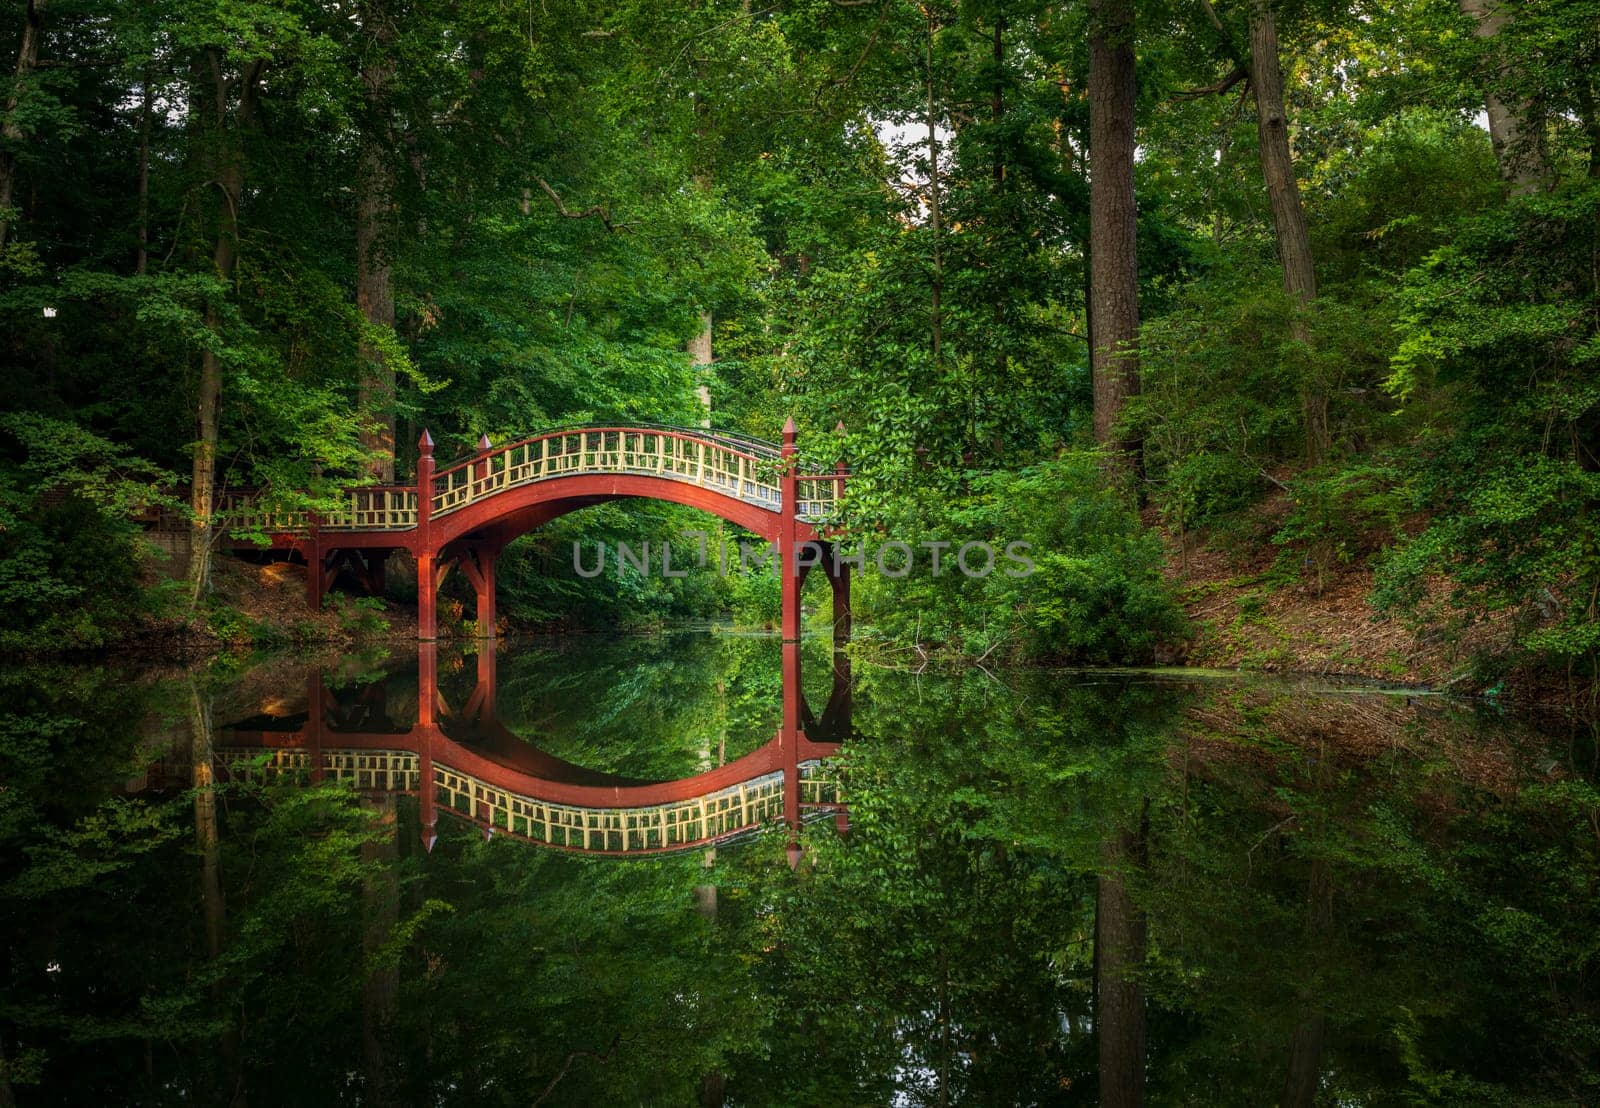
x=463, y=515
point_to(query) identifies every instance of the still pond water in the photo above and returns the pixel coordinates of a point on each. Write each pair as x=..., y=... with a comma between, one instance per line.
x=601, y=872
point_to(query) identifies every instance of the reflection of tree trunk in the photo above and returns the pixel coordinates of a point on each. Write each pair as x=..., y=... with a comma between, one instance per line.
x=1516, y=130
x=380, y=910
x=1288, y=216
x=8, y=1099
x=712, y=1084
x=1119, y=949
x=208, y=844
x=1113, y=218
x=11, y=131
x=1310, y=1034
x=944, y=1026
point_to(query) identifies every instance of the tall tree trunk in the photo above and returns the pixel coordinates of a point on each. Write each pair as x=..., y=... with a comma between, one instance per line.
x=374, y=247
x=228, y=180
x=11, y=130
x=1113, y=219
x=1119, y=951
x=1589, y=116
x=936, y=309
x=142, y=259
x=1516, y=127
x=700, y=358
x=1288, y=217
x=699, y=347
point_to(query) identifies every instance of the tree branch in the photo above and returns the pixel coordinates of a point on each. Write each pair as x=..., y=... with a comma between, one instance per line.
x=572, y=1056
x=596, y=210
x=1217, y=88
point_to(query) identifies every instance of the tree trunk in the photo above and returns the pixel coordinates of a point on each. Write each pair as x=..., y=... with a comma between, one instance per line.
x=1589, y=116
x=1516, y=128
x=229, y=181
x=374, y=250
x=1288, y=217
x=699, y=347
x=142, y=259
x=1113, y=220
x=700, y=358
x=936, y=309
x=1119, y=951
x=11, y=130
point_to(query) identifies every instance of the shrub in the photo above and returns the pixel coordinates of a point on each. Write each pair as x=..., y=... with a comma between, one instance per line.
x=1095, y=593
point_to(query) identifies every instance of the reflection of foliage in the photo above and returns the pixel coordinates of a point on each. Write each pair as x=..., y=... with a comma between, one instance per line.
x=942, y=947
x=657, y=707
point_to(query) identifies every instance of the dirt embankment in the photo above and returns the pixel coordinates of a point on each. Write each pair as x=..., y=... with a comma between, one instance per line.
x=1256, y=605
x=252, y=605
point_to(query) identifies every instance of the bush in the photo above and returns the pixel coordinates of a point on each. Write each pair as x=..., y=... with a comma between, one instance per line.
x=67, y=574
x=1095, y=593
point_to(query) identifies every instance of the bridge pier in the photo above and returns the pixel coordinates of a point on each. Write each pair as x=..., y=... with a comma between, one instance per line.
x=316, y=575
x=427, y=598
x=478, y=562
x=790, y=569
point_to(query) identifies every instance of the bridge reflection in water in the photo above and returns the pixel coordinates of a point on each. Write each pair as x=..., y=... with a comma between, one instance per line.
x=466, y=764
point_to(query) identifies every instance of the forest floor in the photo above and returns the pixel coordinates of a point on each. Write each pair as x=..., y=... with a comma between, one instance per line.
x=1247, y=612
x=253, y=606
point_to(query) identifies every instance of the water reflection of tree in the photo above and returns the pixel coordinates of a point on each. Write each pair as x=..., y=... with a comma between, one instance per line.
x=1346, y=896
x=940, y=953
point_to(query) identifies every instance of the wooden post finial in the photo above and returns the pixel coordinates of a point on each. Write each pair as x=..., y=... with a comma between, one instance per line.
x=425, y=444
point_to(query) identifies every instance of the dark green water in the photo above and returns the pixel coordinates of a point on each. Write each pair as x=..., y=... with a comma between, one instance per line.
x=1323, y=896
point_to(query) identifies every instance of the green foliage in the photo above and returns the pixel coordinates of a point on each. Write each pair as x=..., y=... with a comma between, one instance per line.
x=1499, y=338
x=67, y=573
x=1341, y=515
x=1095, y=592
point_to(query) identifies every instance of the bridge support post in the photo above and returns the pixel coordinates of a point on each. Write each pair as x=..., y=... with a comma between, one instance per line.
x=486, y=611
x=376, y=561
x=316, y=573
x=840, y=580
x=427, y=577
x=427, y=598
x=788, y=552
x=477, y=562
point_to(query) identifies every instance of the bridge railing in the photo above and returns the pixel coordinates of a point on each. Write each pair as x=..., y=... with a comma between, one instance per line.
x=743, y=470
x=744, y=473
x=370, y=508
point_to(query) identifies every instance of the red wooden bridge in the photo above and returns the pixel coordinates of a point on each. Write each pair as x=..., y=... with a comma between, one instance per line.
x=462, y=516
